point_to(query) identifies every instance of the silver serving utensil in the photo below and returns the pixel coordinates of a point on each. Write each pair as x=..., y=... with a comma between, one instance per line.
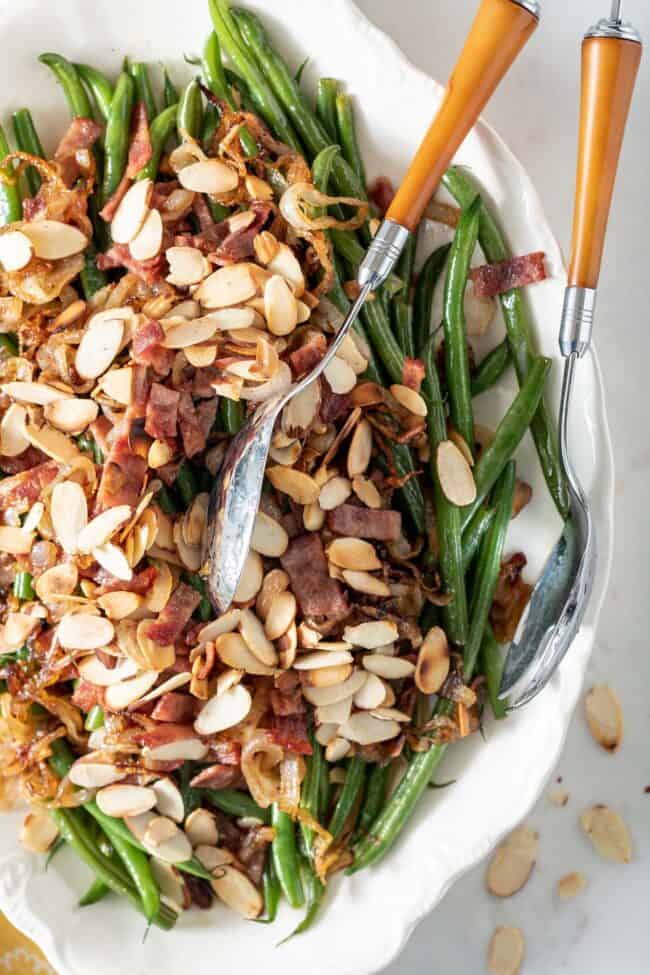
x=610, y=60
x=498, y=34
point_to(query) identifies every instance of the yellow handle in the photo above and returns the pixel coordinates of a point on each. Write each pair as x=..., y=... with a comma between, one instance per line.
x=498, y=34
x=609, y=70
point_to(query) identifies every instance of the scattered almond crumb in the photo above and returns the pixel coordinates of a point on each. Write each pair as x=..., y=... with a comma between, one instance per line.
x=512, y=862
x=571, y=885
x=559, y=797
x=608, y=833
x=604, y=717
x=506, y=951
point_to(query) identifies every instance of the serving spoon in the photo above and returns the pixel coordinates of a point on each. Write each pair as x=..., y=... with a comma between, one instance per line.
x=611, y=53
x=499, y=32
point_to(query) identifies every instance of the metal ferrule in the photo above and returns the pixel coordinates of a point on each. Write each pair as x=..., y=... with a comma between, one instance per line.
x=531, y=5
x=383, y=254
x=577, y=321
x=619, y=29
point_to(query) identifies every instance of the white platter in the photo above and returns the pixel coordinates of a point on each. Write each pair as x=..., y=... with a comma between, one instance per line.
x=367, y=918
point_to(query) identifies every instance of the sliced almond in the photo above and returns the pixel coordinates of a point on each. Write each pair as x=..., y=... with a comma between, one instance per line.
x=324, y=658
x=371, y=694
x=269, y=537
x=371, y=635
x=132, y=212
x=187, y=266
x=99, y=345
x=512, y=862
x=213, y=857
x=608, y=833
x=300, y=487
x=506, y=951
x=365, y=729
x=71, y=415
x=462, y=445
x=15, y=541
x=16, y=250
x=201, y=828
x=433, y=662
x=125, y=800
x=120, y=696
x=326, y=732
x=366, y=491
x=53, y=443
x=301, y=411
x=409, y=399
x=13, y=440
x=169, y=800
x=281, y=614
x=91, y=772
x=337, y=713
x=118, y=384
x=455, y=474
x=185, y=749
x=209, y=176
x=223, y=711
x=113, y=559
x=604, y=717
x=164, y=840
x=285, y=263
x=319, y=696
x=103, y=527
x=230, y=285
x=326, y=676
x=236, y=890
x=187, y=333
x=37, y=393
x=92, y=669
x=69, y=513
x=366, y=583
x=390, y=668
x=53, y=240
x=337, y=749
x=171, y=684
x=571, y=885
x=226, y=623
x=353, y=553
x=171, y=885
x=280, y=307
x=340, y=376
x=38, y=831
x=148, y=240
x=256, y=639
x=81, y=631
x=234, y=652
x=313, y=517
x=251, y=579
x=334, y=493
x=360, y=450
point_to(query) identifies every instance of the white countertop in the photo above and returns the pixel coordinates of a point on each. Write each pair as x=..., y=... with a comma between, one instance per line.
x=606, y=929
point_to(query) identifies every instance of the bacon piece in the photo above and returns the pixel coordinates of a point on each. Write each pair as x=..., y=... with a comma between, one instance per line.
x=23, y=489
x=23, y=462
x=226, y=751
x=252, y=852
x=147, y=349
x=81, y=134
x=286, y=703
x=291, y=733
x=119, y=255
x=238, y=246
x=104, y=433
x=356, y=522
x=86, y=695
x=382, y=193
x=333, y=405
x=189, y=424
x=123, y=474
x=169, y=472
x=162, y=412
x=306, y=565
x=217, y=777
x=495, y=279
x=178, y=708
x=413, y=373
x=140, y=151
x=163, y=734
x=178, y=611
x=141, y=582
x=304, y=358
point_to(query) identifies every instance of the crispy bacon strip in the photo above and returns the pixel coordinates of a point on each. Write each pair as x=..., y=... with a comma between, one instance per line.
x=173, y=618
x=354, y=521
x=306, y=565
x=82, y=134
x=495, y=279
x=22, y=490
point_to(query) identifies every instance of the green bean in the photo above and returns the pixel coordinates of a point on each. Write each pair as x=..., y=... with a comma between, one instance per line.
x=245, y=101
x=27, y=140
x=271, y=891
x=265, y=102
x=92, y=279
x=237, y=804
x=423, y=299
x=56, y=847
x=448, y=516
x=376, y=790
x=160, y=131
x=8, y=341
x=190, y=111
x=143, y=91
x=314, y=890
x=191, y=797
x=185, y=484
x=165, y=501
x=492, y=667
x=94, y=718
x=349, y=798
x=508, y=435
x=211, y=121
x=491, y=368
x=403, y=322
x=456, y=357
x=520, y=340
x=474, y=534
x=248, y=143
x=97, y=891
x=23, y=588
x=285, y=856
x=170, y=93
x=73, y=89
x=10, y=204
x=488, y=565
x=116, y=138
x=383, y=340
x=137, y=866
x=326, y=92
x=99, y=86
x=311, y=793
x=321, y=172
x=213, y=70
x=347, y=136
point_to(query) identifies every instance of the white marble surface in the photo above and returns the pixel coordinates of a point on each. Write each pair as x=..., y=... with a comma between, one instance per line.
x=606, y=929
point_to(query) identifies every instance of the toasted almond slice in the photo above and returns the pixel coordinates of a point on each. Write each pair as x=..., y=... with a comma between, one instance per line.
x=256, y=639
x=371, y=635
x=119, y=696
x=69, y=513
x=366, y=583
x=234, y=652
x=228, y=679
x=157, y=656
x=280, y=308
x=164, y=840
x=209, y=176
x=366, y=491
x=334, y=492
x=60, y=580
x=371, y=694
x=13, y=440
x=15, y=541
x=301, y=411
x=92, y=771
x=94, y=671
x=185, y=749
x=281, y=614
x=353, y=553
x=455, y=474
x=171, y=684
x=226, y=623
x=17, y=628
x=193, y=525
x=326, y=676
x=258, y=189
x=512, y=862
x=38, y=831
x=228, y=286
x=15, y=250
x=360, y=450
x=33, y=517
x=224, y=711
x=169, y=800
x=319, y=696
x=324, y=658
x=337, y=749
x=300, y=487
x=201, y=828
x=132, y=212
x=53, y=240
x=125, y=800
x=118, y=384
x=99, y=345
x=171, y=885
x=326, y=732
x=433, y=662
x=385, y=713
x=81, y=631
x=213, y=857
x=251, y=579
x=571, y=885
x=365, y=729
x=148, y=240
x=341, y=377
x=269, y=537
x=608, y=833
x=506, y=951
x=103, y=527
x=53, y=443
x=71, y=415
x=187, y=266
x=236, y=890
x=409, y=399
x=285, y=263
x=189, y=333
x=201, y=356
x=604, y=717
x=463, y=446
x=313, y=517
x=390, y=668
x=37, y=394
x=337, y=713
